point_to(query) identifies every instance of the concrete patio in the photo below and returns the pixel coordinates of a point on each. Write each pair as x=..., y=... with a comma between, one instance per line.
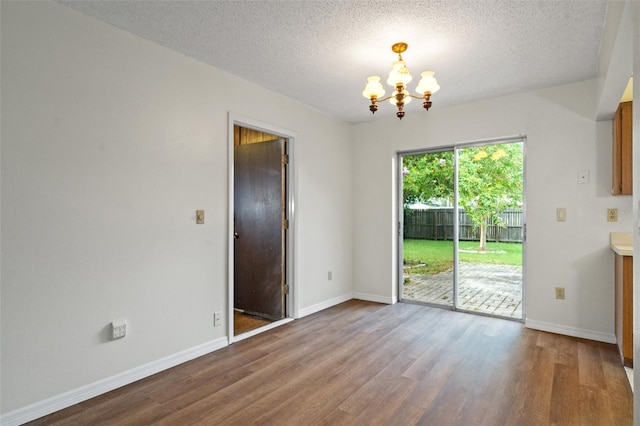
x=486, y=288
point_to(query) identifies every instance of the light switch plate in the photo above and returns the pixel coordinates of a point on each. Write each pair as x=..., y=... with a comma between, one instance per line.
x=200, y=217
x=561, y=214
x=612, y=215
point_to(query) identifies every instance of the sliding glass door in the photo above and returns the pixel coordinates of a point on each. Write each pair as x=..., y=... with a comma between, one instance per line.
x=462, y=223
x=428, y=239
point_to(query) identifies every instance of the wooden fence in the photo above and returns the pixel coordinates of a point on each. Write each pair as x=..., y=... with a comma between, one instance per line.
x=437, y=224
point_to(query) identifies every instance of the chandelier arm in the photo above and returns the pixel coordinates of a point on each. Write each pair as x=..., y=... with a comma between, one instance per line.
x=385, y=99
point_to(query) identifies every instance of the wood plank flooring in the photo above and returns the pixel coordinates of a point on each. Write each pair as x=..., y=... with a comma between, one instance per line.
x=361, y=363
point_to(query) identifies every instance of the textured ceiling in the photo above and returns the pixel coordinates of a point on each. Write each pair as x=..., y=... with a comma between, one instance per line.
x=320, y=52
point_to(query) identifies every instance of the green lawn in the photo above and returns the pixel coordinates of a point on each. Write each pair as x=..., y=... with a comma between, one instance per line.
x=438, y=255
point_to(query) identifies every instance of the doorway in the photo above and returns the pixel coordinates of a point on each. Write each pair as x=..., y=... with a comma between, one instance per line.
x=462, y=227
x=260, y=274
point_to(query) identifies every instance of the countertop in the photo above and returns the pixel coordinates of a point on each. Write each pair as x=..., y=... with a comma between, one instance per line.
x=621, y=243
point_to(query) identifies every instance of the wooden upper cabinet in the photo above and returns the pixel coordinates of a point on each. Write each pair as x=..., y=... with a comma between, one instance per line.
x=622, y=154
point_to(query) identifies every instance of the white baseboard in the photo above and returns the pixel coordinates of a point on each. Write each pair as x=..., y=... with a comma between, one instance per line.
x=375, y=298
x=75, y=396
x=571, y=331
x=324, y=305
x=341, y=299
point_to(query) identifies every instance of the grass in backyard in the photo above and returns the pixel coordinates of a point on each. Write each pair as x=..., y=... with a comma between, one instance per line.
x=437, y=256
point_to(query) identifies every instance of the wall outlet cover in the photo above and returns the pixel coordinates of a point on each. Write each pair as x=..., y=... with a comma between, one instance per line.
x=118, y=329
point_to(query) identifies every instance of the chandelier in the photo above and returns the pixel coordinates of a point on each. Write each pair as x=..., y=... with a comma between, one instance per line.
x=399, y=77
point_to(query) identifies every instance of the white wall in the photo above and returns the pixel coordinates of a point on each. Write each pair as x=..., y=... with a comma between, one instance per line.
x=562, y=138
x=109, y=145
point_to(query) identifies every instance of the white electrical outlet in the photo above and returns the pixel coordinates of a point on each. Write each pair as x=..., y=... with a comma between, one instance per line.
x=217, y=319
x=118, y=329
x=329, y=275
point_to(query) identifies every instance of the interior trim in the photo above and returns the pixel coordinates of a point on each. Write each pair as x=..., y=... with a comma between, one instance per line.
x=292, y=300
x=324, y=305
x=262, y=329
x=83, y=393
x=571, y=331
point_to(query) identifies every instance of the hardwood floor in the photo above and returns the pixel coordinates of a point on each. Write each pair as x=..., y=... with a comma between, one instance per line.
x=361, y=363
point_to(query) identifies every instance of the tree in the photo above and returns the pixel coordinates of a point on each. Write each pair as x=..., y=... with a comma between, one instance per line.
x=428, y=178
x=489, y=181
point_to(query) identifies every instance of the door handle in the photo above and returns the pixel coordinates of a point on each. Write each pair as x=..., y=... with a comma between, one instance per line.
x=236, y=235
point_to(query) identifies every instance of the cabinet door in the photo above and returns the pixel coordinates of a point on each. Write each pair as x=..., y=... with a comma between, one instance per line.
x=622, y=150
x=624, y=307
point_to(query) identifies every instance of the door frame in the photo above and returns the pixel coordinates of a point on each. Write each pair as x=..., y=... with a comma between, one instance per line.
x=400, y=212
x=291, y=299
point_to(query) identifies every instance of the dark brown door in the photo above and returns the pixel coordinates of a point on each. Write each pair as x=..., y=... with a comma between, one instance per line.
x=259, y=236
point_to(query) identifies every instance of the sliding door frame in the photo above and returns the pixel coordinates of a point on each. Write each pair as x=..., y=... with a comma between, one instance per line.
x=400, y=212
x=400, y=203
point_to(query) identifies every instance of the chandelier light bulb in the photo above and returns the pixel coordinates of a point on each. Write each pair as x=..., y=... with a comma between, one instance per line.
x=373, y=88
x=427, y=83
x=399, y=74
x=393, y=100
